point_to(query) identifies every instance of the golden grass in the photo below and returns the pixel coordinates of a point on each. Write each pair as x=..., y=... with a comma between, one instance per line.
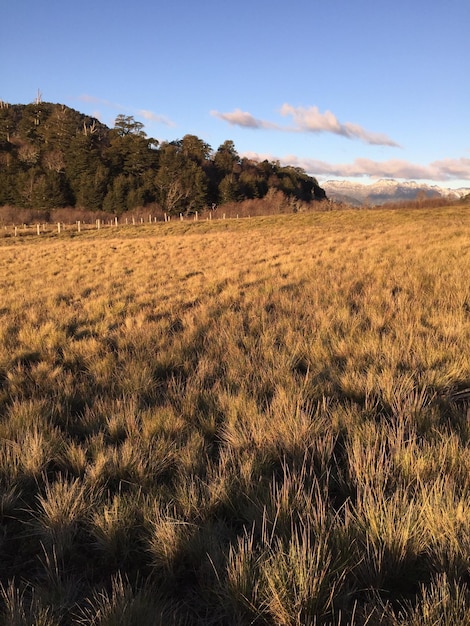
x=257, y=415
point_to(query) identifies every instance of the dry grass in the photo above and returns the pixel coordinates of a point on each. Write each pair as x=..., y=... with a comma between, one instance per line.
x=238, y=421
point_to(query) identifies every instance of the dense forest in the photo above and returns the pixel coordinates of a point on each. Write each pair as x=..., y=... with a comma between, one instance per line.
x=53, y=156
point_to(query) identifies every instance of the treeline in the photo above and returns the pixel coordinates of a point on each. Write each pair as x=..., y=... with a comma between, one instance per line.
x=53, y=156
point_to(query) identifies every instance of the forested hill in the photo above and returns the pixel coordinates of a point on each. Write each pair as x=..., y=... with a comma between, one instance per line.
x=53, y=156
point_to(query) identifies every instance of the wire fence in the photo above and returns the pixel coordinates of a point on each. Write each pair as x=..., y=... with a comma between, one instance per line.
x=48, y=228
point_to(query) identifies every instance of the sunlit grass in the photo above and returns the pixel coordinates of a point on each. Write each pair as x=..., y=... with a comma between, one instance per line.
x=237, y=421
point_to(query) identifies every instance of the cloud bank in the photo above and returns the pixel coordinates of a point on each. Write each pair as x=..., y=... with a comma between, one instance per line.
x=442, y=170
x=309, y=120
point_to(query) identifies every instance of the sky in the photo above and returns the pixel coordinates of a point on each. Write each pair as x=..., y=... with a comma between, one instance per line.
x=357, y=90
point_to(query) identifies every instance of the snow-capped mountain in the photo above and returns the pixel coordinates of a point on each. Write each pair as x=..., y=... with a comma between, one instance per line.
x=386, y=190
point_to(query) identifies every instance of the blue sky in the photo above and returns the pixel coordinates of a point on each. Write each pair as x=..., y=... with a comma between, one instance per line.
x=358, y=90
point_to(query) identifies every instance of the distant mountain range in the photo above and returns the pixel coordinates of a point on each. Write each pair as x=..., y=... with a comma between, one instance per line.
x=386, y=190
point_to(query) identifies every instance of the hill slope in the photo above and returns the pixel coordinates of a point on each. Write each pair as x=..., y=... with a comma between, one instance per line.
x=53, y=156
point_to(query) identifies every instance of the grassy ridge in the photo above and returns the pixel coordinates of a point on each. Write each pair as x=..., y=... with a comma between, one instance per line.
x=235, y=422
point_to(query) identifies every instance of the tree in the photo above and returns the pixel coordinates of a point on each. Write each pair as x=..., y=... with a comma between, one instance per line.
x=50, y=191
x=28, y=153
x=127, y=125
x=180, y=181
x=229, y=189
x=226, y=157
x=116, y=198
x=54, y=161
x=251, y=180
x=60, y=127
x=91, y=188
x=130, y=154
x=87, y=172
x=8, y=121
x=195, y=149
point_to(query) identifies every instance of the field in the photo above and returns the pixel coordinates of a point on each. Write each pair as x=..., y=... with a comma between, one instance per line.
x=255, y=421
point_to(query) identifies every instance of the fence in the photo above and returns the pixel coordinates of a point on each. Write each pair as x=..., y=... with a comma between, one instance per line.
x=79, y=226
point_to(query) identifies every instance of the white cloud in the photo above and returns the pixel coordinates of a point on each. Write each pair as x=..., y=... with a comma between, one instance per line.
x=443, y=170
x=244, y=119
x=102, y=101
x=145, y=113
x=312, y=120
x=155, y=117
x=308, y=120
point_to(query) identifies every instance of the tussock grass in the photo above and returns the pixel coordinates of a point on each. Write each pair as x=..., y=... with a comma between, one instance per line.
x=60, y=512
x=238, y=421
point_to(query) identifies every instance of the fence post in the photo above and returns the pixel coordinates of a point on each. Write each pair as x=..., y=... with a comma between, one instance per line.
x=78, y=226
x=98, y=224
x=38, y=229
x=150, y=219
x=16, y=231
x=116, y=221
x=58, y=227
